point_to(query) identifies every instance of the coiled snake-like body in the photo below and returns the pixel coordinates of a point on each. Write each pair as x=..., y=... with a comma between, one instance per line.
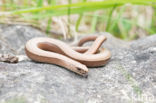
x=76, y=59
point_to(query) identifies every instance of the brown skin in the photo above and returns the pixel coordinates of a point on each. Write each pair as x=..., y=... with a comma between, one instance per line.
x=76, y=59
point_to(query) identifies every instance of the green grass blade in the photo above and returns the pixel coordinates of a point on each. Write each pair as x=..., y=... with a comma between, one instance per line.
x=110, y=17
x=39, y=3
x=52, y=3
x=61, y=12
x=94, y=22
x=48, y=25
x=117, y=19
x=78, y=22
x=99, y=5
x=79, y=19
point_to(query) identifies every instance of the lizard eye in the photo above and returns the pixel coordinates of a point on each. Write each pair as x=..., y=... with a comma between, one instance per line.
x=79, y=69
x=83, y=72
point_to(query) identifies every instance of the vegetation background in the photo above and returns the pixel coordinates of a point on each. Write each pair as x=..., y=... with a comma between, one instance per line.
x=126, y=19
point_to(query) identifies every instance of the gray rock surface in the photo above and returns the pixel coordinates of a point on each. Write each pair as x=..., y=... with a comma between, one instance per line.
x=129, y=77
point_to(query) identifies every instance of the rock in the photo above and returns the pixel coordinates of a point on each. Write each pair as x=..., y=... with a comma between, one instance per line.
x=129, y=77
x=8, y=58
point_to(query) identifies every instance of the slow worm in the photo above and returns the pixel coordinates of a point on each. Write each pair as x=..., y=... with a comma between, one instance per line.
x=76, y=59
